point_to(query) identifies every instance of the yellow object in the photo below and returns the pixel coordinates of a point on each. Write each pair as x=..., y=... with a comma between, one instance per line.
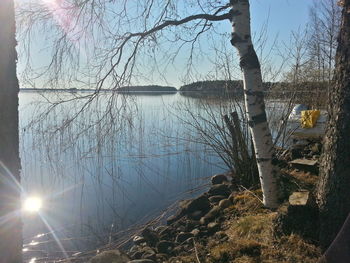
x=309, y=118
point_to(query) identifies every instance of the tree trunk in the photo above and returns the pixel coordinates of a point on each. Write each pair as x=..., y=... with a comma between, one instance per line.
x=334, y=184
x=338, y=251
x=10, y=216
x=254, y=100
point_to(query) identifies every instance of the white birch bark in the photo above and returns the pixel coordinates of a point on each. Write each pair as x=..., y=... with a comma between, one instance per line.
x=254, y=100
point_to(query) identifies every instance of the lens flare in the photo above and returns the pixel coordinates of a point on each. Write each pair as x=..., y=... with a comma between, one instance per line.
x=32, y=204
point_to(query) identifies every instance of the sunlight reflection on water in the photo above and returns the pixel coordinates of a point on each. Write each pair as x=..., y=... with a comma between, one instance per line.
x=105, y=172
x=119, y=171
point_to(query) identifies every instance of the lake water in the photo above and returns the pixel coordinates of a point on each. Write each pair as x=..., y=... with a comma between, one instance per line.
x=119, y=163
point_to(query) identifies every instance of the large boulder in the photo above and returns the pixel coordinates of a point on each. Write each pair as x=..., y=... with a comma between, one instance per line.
x=216, y=198
x=200, y=203
x=191, y=208
x=150, y=236
x=211, y=215
x=220, y=189
x=219, y=179
x=196, y=215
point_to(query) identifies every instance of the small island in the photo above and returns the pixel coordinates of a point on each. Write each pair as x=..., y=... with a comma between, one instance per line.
x=214, y=87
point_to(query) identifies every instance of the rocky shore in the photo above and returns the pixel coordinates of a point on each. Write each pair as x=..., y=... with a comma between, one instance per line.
x=196, y=221
x=229, y=224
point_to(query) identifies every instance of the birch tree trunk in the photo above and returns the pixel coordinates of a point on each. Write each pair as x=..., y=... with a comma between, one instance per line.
x=254, y=100
x=10, y=216
x=334, y=183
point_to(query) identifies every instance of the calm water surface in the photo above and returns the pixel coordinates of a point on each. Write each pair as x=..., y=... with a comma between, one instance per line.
x=105, y=170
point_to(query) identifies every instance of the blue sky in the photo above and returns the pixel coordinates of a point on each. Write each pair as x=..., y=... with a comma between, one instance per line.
x=282, y=16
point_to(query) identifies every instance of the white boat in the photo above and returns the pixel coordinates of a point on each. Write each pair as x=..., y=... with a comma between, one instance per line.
x=294, y=124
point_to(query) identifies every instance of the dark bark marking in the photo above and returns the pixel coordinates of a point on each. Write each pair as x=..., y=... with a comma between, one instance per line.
x=233, y=13
x=235, y=38
x=262, y=160
x=258, y=93
x=257, y=119
x=250, y=59
x=233, y=2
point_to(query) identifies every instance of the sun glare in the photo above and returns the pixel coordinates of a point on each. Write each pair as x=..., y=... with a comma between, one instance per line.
x=32, y=204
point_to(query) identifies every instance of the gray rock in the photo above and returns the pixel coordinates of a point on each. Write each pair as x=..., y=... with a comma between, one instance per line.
x=216, y=198
x=302, y=198
x=134, y=249
x=159, y=229
x=138, y=240
x=213, y=227
x=305, y=165
x=200, y=203
x=162, y=257
x=195, y=232
x=219, y=179
x=190, y=224
x=183, y=236
x=171, y=219
x=136, y=255
x=164, y=246
x=188, y=207
x=150, y=236
x=166, y=232
x=210, y=215
x=149, y=253
x=196, y=215
x=220, y=189
x=112, y=256
x=181, y=228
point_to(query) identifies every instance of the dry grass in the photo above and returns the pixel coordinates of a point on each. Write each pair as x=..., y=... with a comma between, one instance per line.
x=248, y=202
x=257, y=227
x=251, y=238
x=306, y=180
x=251, y=241
x=250, y=228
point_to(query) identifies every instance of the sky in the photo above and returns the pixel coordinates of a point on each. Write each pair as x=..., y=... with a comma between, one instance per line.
x=281, y=16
